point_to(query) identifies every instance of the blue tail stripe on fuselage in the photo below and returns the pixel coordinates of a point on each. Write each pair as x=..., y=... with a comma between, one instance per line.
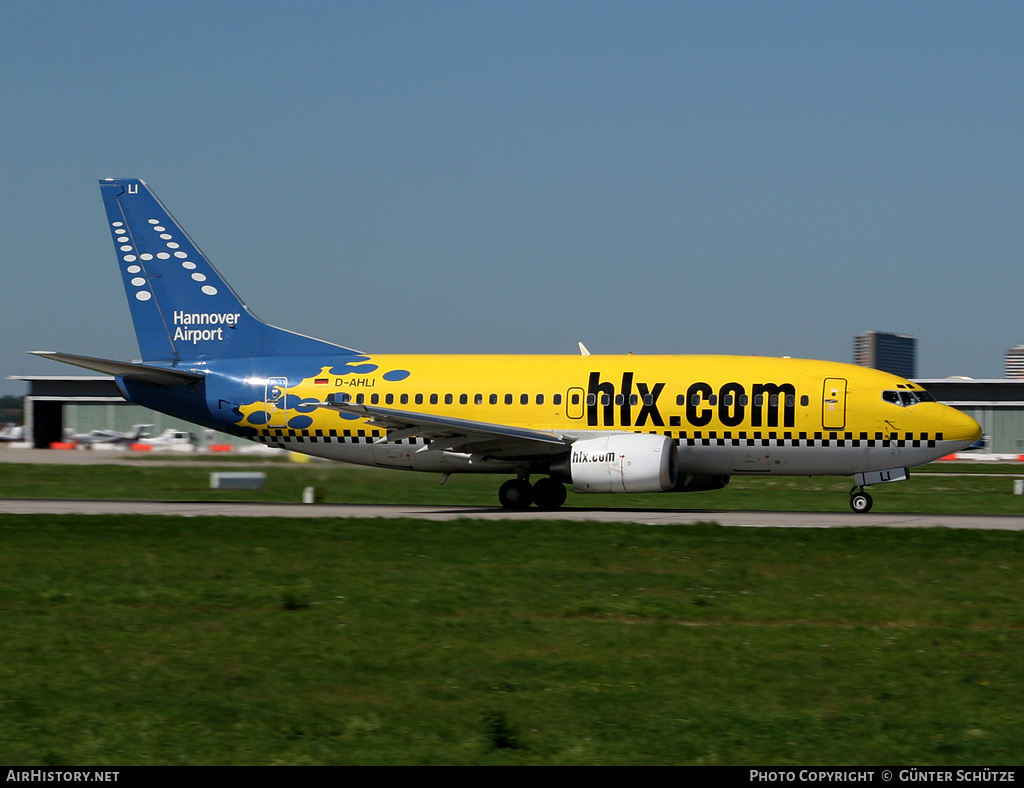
x=183, y=310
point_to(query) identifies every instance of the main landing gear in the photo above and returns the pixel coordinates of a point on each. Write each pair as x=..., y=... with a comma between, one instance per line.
x=518, y=494
x=860, y=501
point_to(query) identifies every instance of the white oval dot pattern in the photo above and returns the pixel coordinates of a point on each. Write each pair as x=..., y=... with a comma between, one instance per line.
x=125, y=245
x=170, y=243
x=123, y=240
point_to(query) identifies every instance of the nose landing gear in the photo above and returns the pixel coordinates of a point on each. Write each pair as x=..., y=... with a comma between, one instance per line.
x=860, y=501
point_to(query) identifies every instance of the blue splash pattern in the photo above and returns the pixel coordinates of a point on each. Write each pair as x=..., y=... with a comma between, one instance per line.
x=302, y=409
x=358, y=369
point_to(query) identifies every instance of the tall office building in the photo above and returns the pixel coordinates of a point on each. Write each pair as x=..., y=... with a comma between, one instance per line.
x=895, y=353
x=1014, y=359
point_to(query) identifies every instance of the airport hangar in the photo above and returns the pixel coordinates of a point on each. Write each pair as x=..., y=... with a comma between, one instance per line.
x=56, y=403
x=60, y=404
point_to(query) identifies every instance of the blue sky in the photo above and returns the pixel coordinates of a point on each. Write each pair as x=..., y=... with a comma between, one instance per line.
x=731, y=177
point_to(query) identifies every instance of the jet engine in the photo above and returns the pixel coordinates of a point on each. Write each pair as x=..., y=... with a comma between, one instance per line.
x=620, y=463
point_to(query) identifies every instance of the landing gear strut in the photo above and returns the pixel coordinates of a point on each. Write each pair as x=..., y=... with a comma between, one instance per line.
x=518, y=494
x=860, y=501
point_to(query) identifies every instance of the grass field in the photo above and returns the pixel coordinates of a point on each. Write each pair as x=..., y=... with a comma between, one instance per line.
x=969, y=489
x=164, y=640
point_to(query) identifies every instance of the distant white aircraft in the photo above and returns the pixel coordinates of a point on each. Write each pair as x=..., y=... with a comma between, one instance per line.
x=12, y=432
x=113, y=437
x=174, y=440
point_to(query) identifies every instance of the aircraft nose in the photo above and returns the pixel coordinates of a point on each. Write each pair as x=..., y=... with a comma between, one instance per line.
x=961, y=427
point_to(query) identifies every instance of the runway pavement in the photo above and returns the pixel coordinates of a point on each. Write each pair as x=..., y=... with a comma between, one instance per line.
x=572, y=514
x=440, y=513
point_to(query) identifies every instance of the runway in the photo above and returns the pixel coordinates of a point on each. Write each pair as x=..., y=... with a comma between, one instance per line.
x=740, y=519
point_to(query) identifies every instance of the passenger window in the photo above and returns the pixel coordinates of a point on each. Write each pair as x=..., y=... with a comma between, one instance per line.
x=508, y=399
x=419, y=399
x=478, y=399
x=463, y=399
x=540, y=399
x=389, y=399
x=493, y=399
x=405, y=399
x=557, y=399
x=524, y=399
x=448, y=399
x=374, y=399
x=433, y=399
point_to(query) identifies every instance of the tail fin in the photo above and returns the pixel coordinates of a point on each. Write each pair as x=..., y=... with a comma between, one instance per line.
x=182, y=308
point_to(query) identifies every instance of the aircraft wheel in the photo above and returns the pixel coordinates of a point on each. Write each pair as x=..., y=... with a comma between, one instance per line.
x=861, y=502
x=516, y=494
x=548, y=494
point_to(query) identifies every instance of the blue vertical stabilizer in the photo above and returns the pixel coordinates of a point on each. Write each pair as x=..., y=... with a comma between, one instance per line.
x=182, y=308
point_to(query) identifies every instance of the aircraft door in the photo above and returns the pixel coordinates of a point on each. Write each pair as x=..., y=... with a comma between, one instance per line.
x=276, y=402
x=833, y=404
x=574, y=402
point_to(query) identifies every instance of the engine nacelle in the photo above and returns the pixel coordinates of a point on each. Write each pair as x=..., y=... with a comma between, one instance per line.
x=622, y=464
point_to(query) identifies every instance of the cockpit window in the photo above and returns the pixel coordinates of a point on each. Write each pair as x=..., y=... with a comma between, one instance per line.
x=906, y=399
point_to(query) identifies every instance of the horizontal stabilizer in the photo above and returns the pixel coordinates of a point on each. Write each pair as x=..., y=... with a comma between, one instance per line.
x=147, y=374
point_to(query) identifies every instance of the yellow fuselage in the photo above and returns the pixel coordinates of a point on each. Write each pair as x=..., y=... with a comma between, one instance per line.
x=726, y=414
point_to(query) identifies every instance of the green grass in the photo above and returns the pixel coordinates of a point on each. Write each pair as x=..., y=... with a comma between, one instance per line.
x=926, y=492
x=169, y=640
x=133, y=640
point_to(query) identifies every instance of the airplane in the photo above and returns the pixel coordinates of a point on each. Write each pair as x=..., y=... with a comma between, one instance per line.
x=600, y=423
x=110, y=437
x=172, y=440
x=12, y=433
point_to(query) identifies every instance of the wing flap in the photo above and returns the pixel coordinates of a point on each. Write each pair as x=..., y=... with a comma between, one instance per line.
x=452, y=434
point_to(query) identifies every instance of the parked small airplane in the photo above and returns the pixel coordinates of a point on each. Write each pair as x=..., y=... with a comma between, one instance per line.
x=12, y=433
x=600, y=423
x=109, y=437
x=171, y=439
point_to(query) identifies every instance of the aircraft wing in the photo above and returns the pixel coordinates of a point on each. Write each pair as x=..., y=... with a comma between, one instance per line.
x=462, y=435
